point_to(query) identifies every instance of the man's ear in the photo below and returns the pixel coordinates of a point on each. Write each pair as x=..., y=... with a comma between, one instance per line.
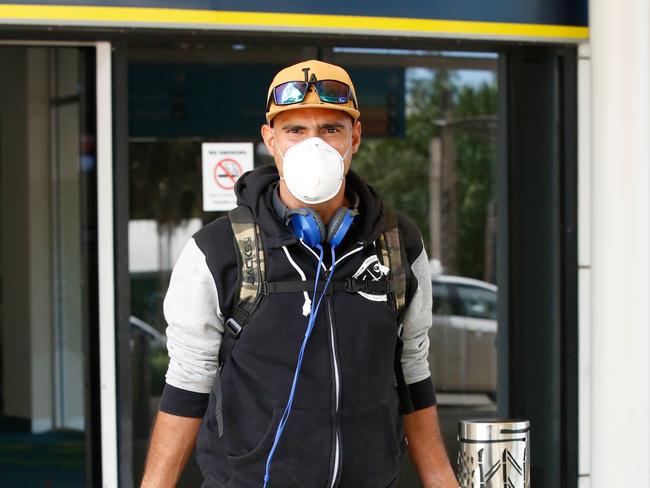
x=356, y=136
x=268, y=136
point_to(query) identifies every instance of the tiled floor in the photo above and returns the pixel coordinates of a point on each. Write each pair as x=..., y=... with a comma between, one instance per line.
x=49, y=460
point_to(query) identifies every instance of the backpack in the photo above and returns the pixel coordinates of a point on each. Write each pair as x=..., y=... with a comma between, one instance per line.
x=253, y=285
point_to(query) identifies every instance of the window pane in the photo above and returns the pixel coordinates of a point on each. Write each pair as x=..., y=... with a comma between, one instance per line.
x=430, y=152
x=48, y=298
x=478, y=302
x=429, y=122
x=441, y=300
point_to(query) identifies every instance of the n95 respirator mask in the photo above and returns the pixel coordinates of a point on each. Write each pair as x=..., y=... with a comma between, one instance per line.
x=313, y=170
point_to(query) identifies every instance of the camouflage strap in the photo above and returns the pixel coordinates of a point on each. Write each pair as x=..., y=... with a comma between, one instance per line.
x=252, y=267
x=393, y=256
x=390, y=250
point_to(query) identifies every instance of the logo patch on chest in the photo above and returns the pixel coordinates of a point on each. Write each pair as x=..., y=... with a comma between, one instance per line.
x=372, y=270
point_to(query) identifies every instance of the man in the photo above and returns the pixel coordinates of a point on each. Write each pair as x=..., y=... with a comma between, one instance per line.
x=305, y=396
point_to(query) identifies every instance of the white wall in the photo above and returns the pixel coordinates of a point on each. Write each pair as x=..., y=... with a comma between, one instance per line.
x=67, y=247
x=620, y=244
x=150, y=251
x=584, y=265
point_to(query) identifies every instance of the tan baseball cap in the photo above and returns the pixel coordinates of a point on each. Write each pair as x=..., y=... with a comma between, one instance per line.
x=312, y=71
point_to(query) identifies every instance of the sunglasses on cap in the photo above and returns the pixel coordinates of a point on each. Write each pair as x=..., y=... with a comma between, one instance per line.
x=329, y=91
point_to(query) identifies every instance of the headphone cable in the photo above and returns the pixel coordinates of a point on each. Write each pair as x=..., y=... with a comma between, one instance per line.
x=310, y=326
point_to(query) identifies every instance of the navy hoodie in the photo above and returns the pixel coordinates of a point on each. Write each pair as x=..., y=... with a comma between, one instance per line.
x=345, y=427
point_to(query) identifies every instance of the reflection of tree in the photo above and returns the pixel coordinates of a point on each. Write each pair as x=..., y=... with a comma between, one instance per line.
x=476, y=167
x=165, y=186
x=463, y=119
x=399, y=168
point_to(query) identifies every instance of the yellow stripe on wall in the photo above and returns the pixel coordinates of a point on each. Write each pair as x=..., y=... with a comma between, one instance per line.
x=161, y=17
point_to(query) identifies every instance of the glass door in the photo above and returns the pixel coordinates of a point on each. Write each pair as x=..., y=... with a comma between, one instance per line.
x=429, y=146
x=48, y=266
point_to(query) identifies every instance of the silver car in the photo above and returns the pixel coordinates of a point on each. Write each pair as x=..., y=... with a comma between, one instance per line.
x=462, y=354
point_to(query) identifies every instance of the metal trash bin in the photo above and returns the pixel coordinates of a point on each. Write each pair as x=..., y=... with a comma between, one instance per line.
x=494, y=453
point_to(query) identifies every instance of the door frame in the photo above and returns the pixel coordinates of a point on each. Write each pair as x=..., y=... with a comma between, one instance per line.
x=106, y=264
x=107, y=414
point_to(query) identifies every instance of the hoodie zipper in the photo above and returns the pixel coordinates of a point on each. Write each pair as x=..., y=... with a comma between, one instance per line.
x=336, y=372
x=337, y=398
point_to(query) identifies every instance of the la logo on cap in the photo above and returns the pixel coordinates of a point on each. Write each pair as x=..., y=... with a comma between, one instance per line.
x=313, y=75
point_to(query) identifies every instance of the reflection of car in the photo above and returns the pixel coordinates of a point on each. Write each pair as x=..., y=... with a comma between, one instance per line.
x=462, y=354
x=141, y=328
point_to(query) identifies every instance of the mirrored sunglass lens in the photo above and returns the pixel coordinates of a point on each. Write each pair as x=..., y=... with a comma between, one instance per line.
x=333, y=91
x=290, y=92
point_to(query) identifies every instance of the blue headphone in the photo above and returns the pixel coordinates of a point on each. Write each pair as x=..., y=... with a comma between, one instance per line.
x=306, y=224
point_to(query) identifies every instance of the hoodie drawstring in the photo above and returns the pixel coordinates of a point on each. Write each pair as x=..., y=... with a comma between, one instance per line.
x=306, y=306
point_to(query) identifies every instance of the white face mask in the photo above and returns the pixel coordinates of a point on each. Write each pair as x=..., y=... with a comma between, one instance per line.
x=313, y=170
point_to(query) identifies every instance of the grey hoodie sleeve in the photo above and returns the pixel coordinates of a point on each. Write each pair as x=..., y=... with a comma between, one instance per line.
x=195, y=323
x=416, y=319
x=416, y=324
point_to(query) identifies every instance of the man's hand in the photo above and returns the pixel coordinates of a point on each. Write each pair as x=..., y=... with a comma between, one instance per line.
x=172, y=442
x=427, y=450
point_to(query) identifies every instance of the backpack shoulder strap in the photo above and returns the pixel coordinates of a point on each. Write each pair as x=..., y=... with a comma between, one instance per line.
x=251, y=275
x=393, y=256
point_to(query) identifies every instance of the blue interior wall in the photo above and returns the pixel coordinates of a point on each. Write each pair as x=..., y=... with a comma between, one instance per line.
x=200, y=100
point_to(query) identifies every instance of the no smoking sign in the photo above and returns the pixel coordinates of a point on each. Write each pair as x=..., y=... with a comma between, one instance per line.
x=226, y=173
x=223, y=164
